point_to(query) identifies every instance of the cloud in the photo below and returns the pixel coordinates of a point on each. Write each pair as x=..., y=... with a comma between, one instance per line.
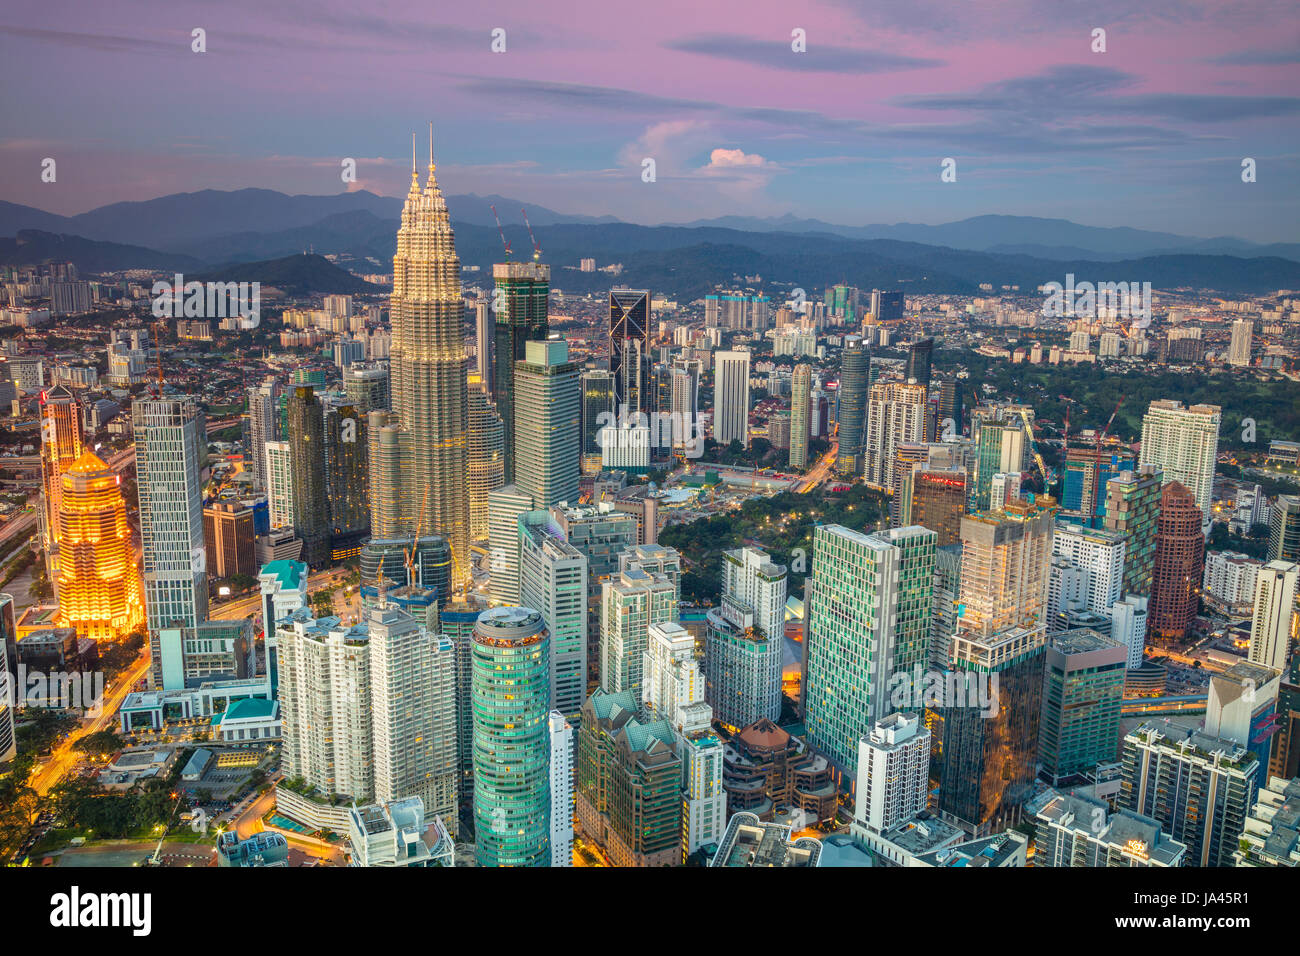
x=731, y=158
x=818, y=58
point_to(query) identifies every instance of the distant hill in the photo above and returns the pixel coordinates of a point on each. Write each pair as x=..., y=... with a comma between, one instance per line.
x=33, y=247
x=296, y=275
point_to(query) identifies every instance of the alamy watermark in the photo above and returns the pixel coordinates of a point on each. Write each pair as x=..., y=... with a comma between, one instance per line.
x=79, y=690
x=1130, y=300
x=208, y=300
x=672, y=431
x=918, y=688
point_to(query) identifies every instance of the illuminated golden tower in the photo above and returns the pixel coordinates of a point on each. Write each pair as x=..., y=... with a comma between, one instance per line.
x=60, y=447
x=419, y=462
x=99, y=580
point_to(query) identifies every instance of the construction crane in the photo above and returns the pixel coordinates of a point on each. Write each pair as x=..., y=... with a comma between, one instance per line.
x=1033, y=447
x=504, y=241
x=1096, y=454
x=537, y=250
x=415, y=541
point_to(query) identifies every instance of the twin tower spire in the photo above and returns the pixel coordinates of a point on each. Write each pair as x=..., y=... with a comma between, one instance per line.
x=415, y=175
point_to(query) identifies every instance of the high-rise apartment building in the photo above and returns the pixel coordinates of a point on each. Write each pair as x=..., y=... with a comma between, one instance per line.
x=868, y=619
x=1132, y=509
x=1239, y=349
x=800, y=407
x=855, y=380
x=1101, y=555
x=279, y=484
x=547, y=423
x=1273, y=620
x=1184, y=444
x=731, y=397
x=896, y=414
x=505, y=505
x=553, y=580
x=263, y=417
x=512, y=746
x=521, y=309
x=893, y=772
x=563, y=770
x=1075, y=829
x=1179, y=565
x=752, y=579
x=419, y=452
x=170, y=441
x=306, y=434
x=633, y=600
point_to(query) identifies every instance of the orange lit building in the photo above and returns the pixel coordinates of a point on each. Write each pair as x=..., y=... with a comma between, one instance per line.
x=99, y=579
x=60, y=447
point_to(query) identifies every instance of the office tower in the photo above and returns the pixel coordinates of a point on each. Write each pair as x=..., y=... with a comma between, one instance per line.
x=306, y=435
x=629, y=603
x=950, y=407
x=1272, y=624
x=1199, y=788
x=1005, y=567
x=938, y=503
x=1001, y=450
x=228, y=531
x=279, y=484
x=511, y=678
x=1239, y=350
x=1076, y=829
x=1133, y=509
x=851, y=417
x=418, y=458
x=486, y=458
x=673, y=690
x=597, y=411
x=946, y=602
x=685, y=408
x=909, y=457
x=893, y=772
x=1284, y=529
x=1101, y=555
x=800, y=399
x=1184, y=444
x=1087, y=473
x=325, y=683
x=263, y=407
x=1242, y=707
x=61, y=445
x=1128, y=625
x=170, y=441
x=919, y=355
x=562, y=775
x=520, y=303
x=1269, y=837
x=895, y=416
x=484, y=336
x=868, y=619
x=367, y=388
x=347, y=480
x=1178, y=567
x=629, y=350
x=547, y=424
x=629, y=783
x=505, y=505
x=457, y=620
x=731, y=397
x=553, y=579
x=413, y=710
x=99, y=581
x=1082, y=691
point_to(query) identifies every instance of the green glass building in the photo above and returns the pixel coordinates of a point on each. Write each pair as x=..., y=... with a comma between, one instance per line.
x=1133, y=509
x=520, y=308
x=1083, y=688
x=511, y=686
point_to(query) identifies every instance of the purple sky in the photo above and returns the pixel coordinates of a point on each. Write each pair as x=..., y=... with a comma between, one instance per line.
x=1149, y=134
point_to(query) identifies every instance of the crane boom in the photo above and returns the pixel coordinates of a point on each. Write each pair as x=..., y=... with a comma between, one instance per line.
x=537, y=250
x=504, y=241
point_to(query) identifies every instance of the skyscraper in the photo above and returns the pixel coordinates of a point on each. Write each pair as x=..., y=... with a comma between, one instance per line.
x=279, y=484
x=1179, y=565
x=484, y=335
x=1082, y=693
x=919, y=356
x=1001, y=450
x=800, y=398
x=868, y=618
x=367, y=388
x=511, y=686
x=347, y=481
x=1101, y=554
x=505, y=505
x=486, y=458
x=1284, y=529
x=1239, y=350
x=99, y=581
x=419, y=459
x=597, y=407
x=307, y=453
x=895, y=416
x=855, y=378
x=731, y=397
x=521, y=305
x=553, y=579
x=61, y=445
x=1132, y=509
x=170, y=440
x=629, y=604
x=1184, y=444
x=562, y=776
x=938, y=503
x=263, y=408
x=629, y=350
x=1274, y=615
x=548, y=423
x=1005, y=567
x=893, y=772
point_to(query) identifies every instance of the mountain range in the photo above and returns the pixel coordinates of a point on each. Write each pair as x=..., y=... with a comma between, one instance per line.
x=214, y=230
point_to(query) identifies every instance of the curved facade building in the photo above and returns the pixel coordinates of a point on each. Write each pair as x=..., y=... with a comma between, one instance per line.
x=511, y=699
x=99, y=580
x=855, y=380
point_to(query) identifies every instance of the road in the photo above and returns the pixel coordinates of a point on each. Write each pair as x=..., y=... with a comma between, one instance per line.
x=820, y=471
x=24, y=524
x=64, y=758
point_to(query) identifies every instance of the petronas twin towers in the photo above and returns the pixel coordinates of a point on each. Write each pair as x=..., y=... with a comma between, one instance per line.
x=418, y=456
